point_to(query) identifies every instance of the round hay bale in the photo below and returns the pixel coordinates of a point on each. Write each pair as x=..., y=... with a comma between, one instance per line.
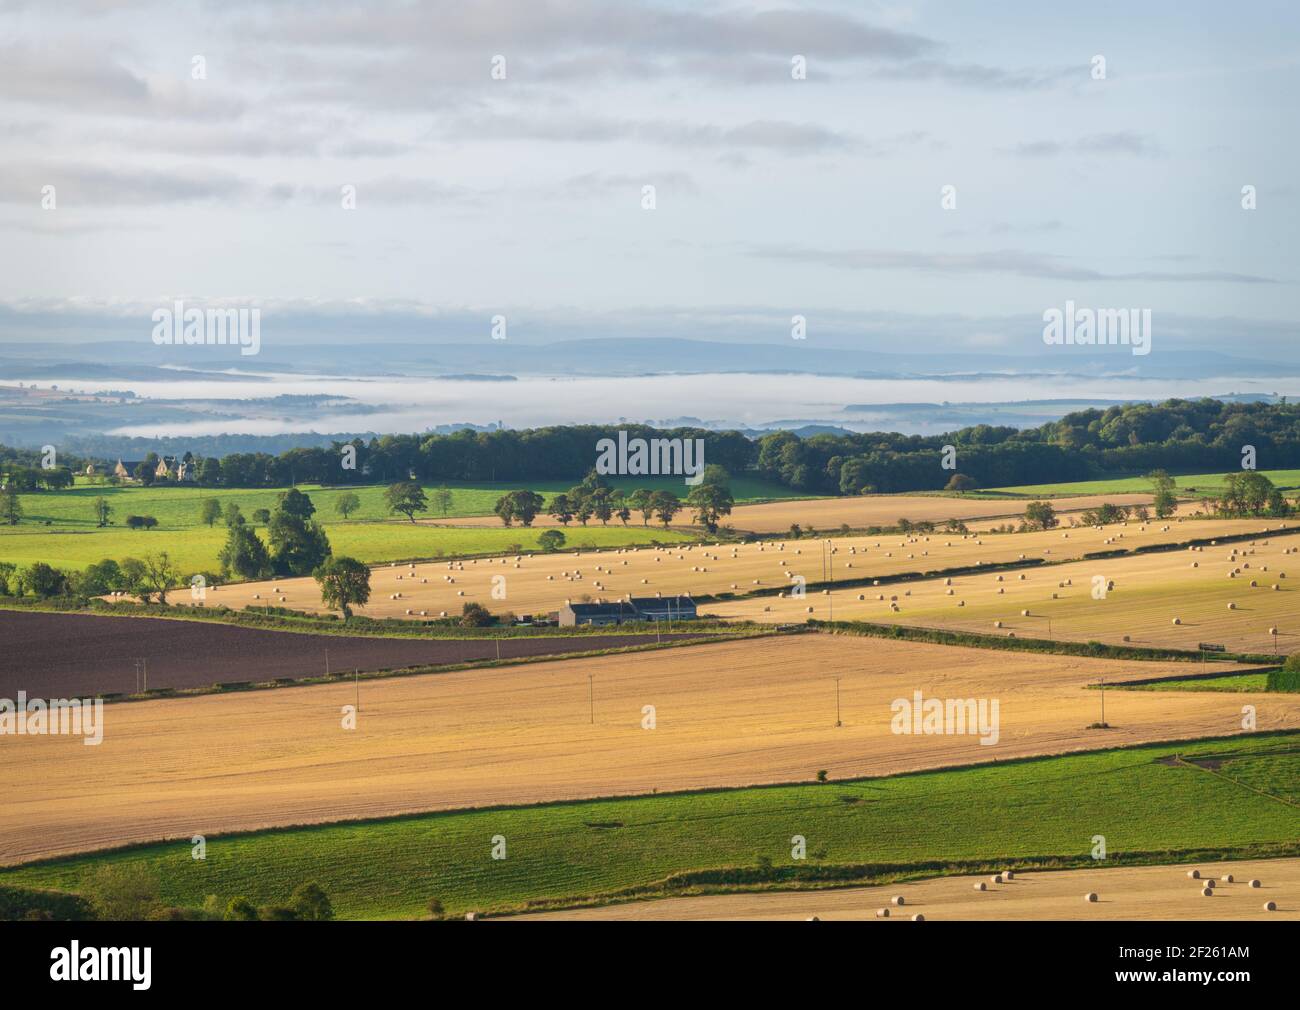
x=918, y=917
x=1270, y=906
x=1256, y=883
x=882, y=913
x=1232, y=606
x=898, y=899
x=1194, y=874
x=1178, y=620
x=981, y=886
x=1227, y=878
x=996, y=878
x=1008, y=874
x=997, y=624
x=1090, y=897
x=1024, y=613
x=1209, y=882
x=1207, y=892
x=812, y=918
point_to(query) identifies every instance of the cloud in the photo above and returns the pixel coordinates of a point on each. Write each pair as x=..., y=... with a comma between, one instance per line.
x=1123, y=142
x=778, y=135
x=1008, y=261
x=89, y=80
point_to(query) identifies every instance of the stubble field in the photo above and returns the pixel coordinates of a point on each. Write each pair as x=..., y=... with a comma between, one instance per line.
x=1132, y=600
x=534, y=584
x=725, y=714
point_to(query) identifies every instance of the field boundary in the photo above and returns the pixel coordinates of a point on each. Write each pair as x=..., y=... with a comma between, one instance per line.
x=627, y=797
x=976, y=640
x=757, y=880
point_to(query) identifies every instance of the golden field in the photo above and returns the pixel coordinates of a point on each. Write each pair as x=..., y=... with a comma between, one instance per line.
x=1149, y=592
x=1124, y=893
x=726, y=714
x=858, y=512
x=533, y=584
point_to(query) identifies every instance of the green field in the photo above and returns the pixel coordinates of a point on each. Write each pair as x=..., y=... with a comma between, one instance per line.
x=194, y=549
x=1231, y=682
x=1014, y=812
x=1209, y=484
x=177, y=507
x=59, y=527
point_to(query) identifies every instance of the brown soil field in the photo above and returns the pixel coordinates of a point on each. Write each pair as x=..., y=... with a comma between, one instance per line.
x=1149, y=591
x=541, y=583
x=858, y=512
x=78, y=655
x=728, y=714
x=1124, y=893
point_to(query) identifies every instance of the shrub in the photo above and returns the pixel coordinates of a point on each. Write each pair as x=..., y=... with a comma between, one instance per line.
x=124, y=893
x=310, y=902
x=240, y=910
x=1288, y=678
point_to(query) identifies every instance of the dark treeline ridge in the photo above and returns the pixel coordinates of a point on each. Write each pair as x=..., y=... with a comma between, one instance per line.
x=1180, y=436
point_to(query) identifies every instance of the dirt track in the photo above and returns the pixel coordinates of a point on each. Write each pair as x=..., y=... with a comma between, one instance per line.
x=77, y=655
x=1124, y=893
x=727, y=714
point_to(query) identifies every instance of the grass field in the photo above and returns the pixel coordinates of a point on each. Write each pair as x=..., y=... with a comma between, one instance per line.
x=195, y=548
x=726, y=714
x=1243, y=682
x=1209, y=484
x=1001, y=814
x=177, y=507
x=1150, y=591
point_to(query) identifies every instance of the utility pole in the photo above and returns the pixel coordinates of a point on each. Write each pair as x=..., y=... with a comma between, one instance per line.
x=837, y=703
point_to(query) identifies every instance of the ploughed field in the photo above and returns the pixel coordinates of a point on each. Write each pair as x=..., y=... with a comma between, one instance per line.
x=1227, y=594
x=1124, y=893
x=711, y=715
x=77, y=655
x=532, y=584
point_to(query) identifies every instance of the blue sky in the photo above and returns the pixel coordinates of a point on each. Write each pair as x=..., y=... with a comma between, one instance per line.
x=774, y=197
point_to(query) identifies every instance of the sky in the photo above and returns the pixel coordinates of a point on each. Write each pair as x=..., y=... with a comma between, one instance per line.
x=201, y=151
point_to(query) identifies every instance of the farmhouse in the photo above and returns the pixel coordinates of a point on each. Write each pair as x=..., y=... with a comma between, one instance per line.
x=126, y=470
x=641, y=608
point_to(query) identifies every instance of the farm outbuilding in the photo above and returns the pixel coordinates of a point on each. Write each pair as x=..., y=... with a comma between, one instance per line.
x=633, y=608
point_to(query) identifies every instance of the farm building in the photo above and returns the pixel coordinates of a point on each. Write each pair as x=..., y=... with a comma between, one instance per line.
x=641, y=608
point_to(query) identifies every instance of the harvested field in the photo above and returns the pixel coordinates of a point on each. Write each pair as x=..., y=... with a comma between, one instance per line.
x=1125, y=893
x=76, y=655
x=1141, y=597
x=541, y=583
x=726, y=714
x=859, y=511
